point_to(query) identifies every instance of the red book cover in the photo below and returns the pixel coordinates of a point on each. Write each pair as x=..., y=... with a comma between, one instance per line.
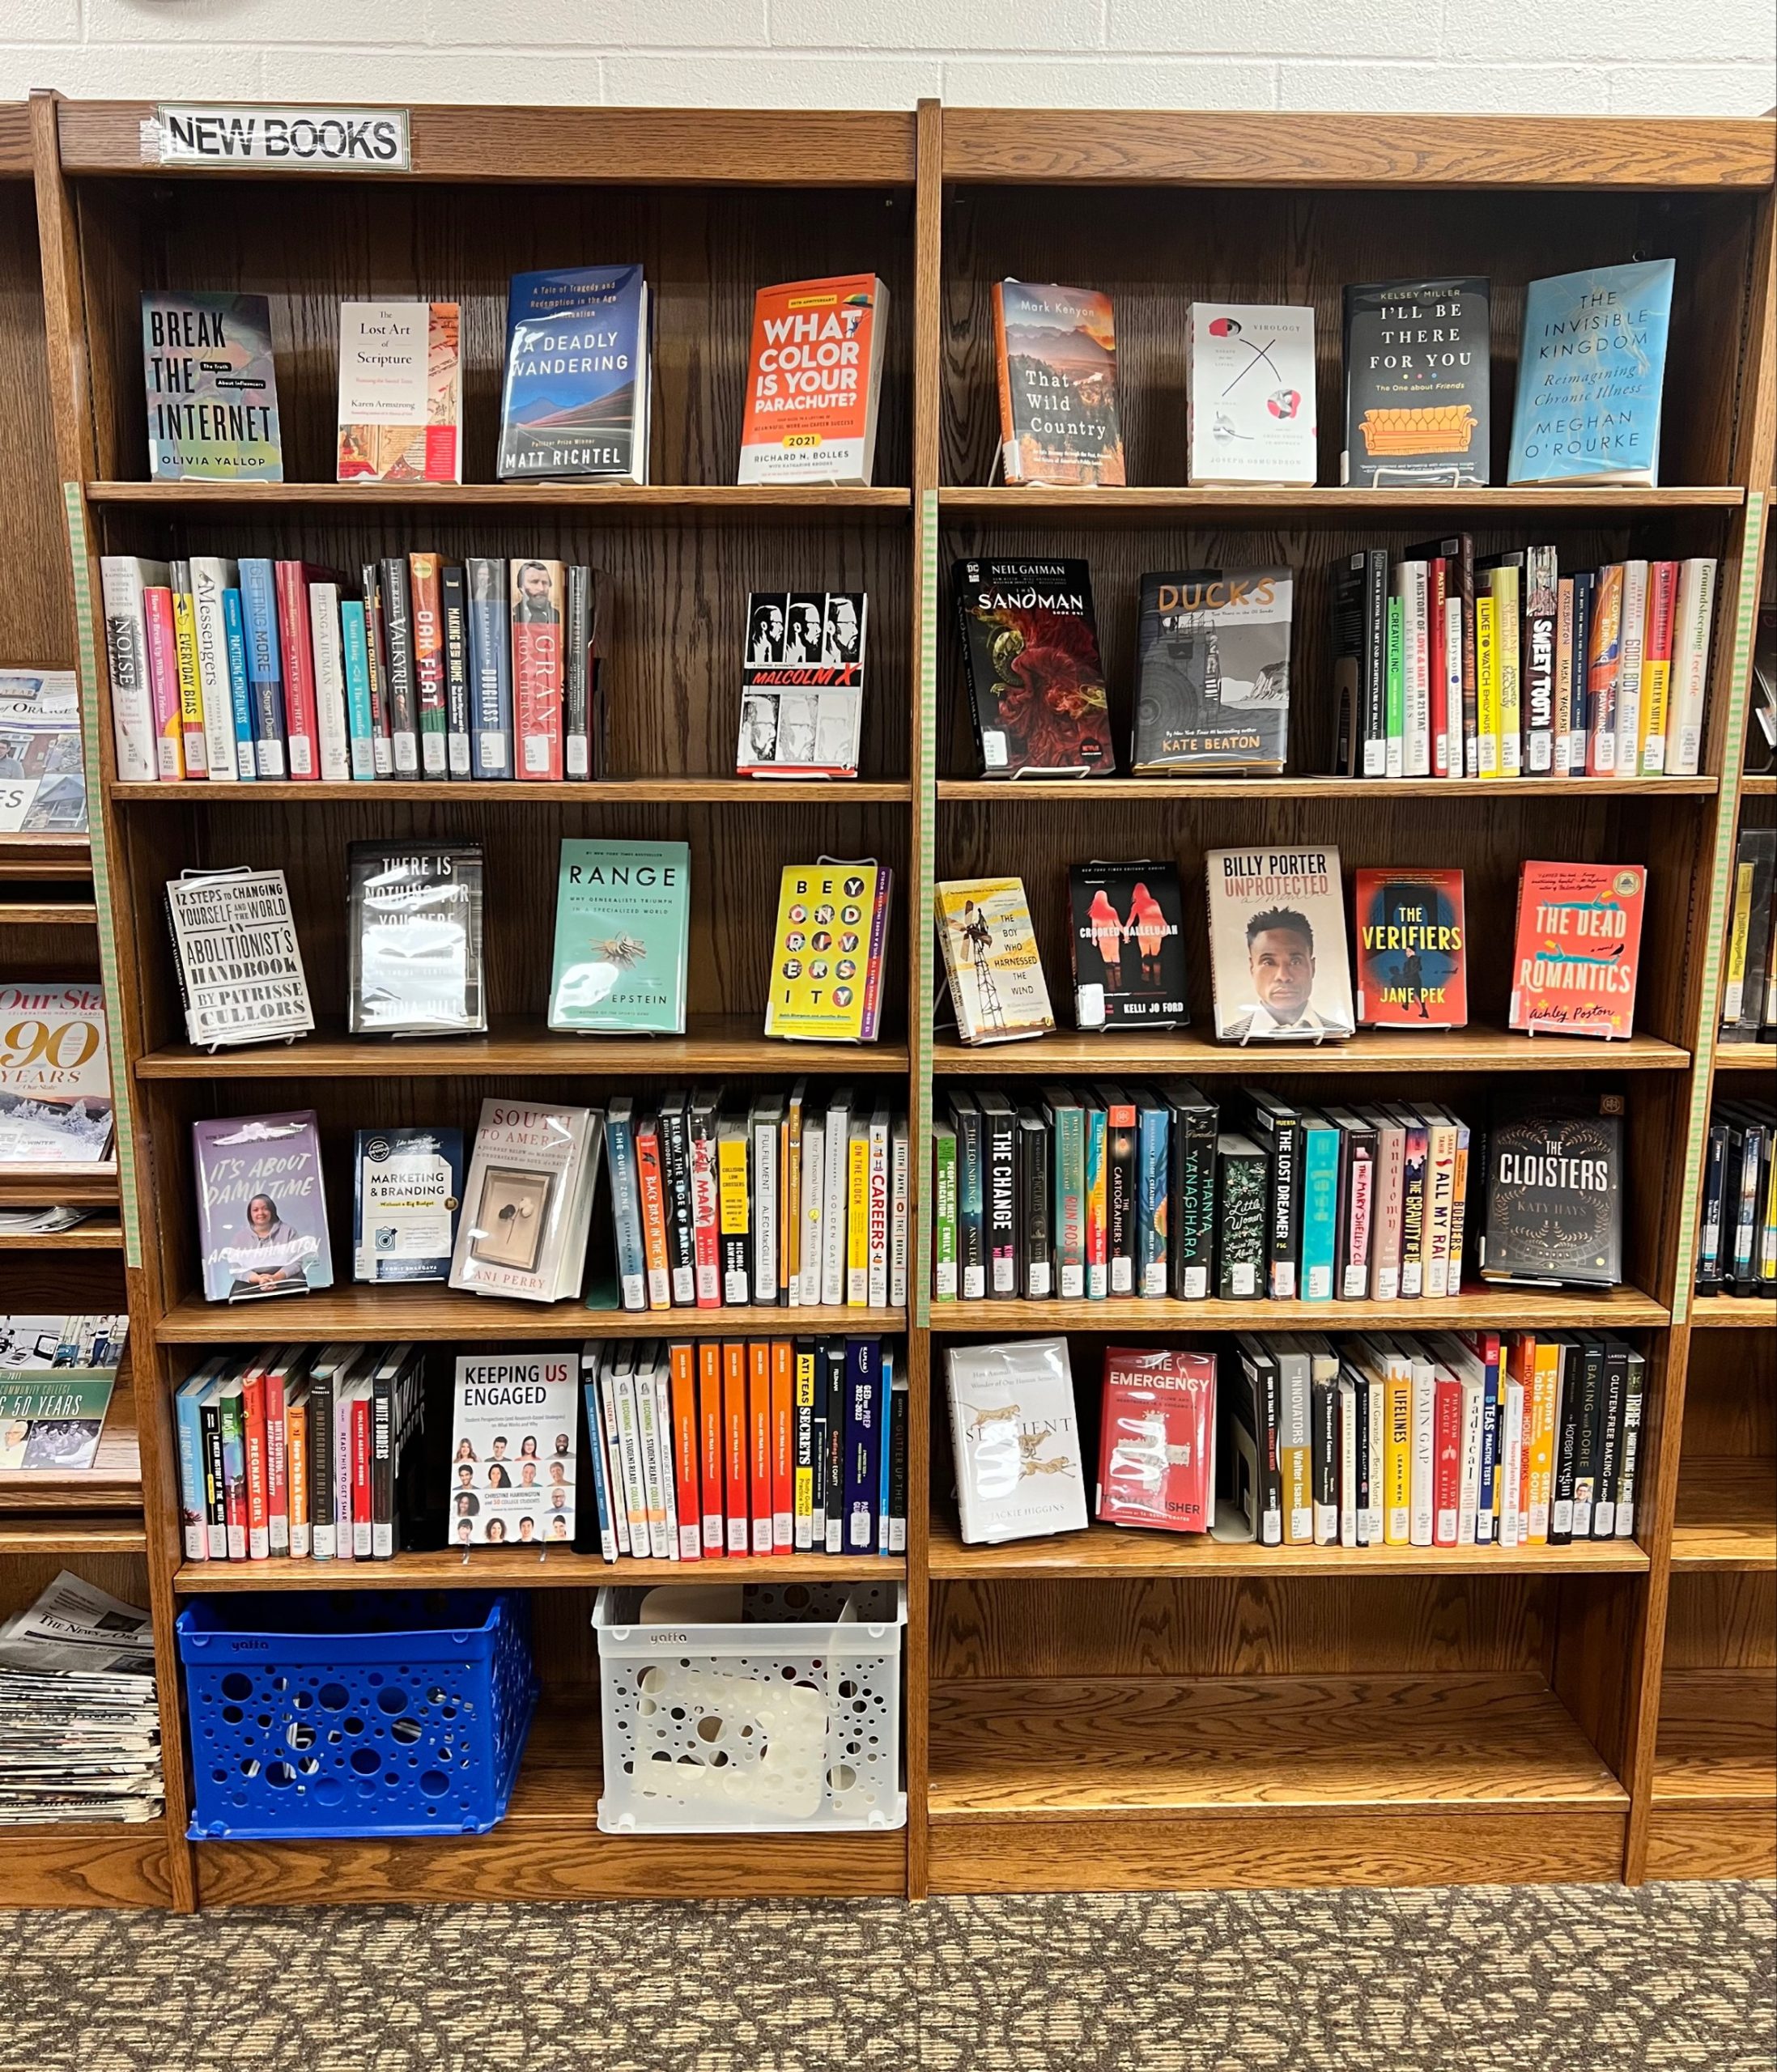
x=361, y=1498
x=1437, y=597
x=705, y=1218
x=252, y=1412
x=301, y=721
x=739, y=1510
x=277, y=1457
x=539, y=590
x=687, y=1455
x=710, y=1456
x=653, y=1193
x=1157, y=1439
x=783, y=1446
x=1412, y=951
x=758, y=1443
x=1446, y=1460
x=1579, y=948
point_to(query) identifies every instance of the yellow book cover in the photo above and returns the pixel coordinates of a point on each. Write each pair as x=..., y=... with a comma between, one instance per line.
x=1486, y=689
x=191, y=693
x=857, y=1216
x=827, y=957
x=1733, y=981
x=1542, y=1413
x=1506, y=590
x=789, y=1166
x=1397, y=1523
x=733, y=1221
x=805, y=1467
x=991, y=960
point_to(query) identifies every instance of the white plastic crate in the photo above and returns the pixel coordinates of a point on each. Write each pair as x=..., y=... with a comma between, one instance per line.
x=789, y=1720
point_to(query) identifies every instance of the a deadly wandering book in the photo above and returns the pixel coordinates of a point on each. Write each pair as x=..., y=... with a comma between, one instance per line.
x=576, y=394
x=236, y=957
x=261, y=1214
x=802, y=684
x=415, y=934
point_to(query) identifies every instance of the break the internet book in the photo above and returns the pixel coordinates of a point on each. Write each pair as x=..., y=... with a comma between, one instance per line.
x=1412, y=956
x=212, y=388
x=828, y=952
x=1591, y=370
x=401, y=392
x=991, y=960
x=261, y=1214
x=622, y=928
x=1031, y=652
x=1417, y=367
x=1212, y=686
x=1055, y=351
x=1127, y=939
x=576, y=396
x=1277, y=960
x=814, y=380
x=1578, y=950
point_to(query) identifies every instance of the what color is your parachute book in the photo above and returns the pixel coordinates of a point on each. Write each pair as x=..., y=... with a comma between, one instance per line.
x=813, y=381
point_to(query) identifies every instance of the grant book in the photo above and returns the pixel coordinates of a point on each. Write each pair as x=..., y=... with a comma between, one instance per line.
x=622, y=933
x=1277, y=958
x=828, y=952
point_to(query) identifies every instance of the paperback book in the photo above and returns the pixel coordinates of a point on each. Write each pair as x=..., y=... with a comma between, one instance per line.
x=414, y=926
x=813, y=381
x=623, y=932
x=261, y=1212
x=57, y=1374
x=1019, y=1470
x=828, y=952
x=401, y=392
x=1031, y=652
x=1577, y=951
x=1128, y=945
x=1591, y=369
x=991, y=961
x=528, y=1201
x=1249, y=395
x=408, y=1187
x=1554, y=1191
x=514, y=1421
x=802, y=684
x=55, y=1075
x=576, y=398
x=1055, y=349
x=1412, y=954
x=236, y=957
x=1213, y=671
x=1278, y=957
x=212, y=388
x=1417, y=367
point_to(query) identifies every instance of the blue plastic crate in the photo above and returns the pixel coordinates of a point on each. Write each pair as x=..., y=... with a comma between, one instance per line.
x=344, y=1714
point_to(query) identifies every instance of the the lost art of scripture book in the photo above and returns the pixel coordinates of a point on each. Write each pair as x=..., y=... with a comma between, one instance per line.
x=212, y=388
x=1277, y=956
x=415, y=934
x=55, y=1075
x=513, y=1419
x=261, y=1212
x=401, y=392
x=236, y=957
x=408, y=1188
x=622, y=921
x=577, y=375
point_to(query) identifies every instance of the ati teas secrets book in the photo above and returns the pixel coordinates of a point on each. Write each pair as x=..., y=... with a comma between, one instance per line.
x=1213, y=671
x=623, y=930
x=1277, y=945
x=1412, y=956
x=1128, y=945
x=1417, y=360
x=1578, y=951
x=212, y=388
x=1030, y=650
x=813, y=381
x=1055, y=352
x=576, y=396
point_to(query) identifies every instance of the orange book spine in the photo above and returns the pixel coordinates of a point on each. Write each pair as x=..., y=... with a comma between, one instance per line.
x=709, y=1453
x=758, y=1425
x=734, y=1434
x=783, y=1445
x=653, y=1194
x=296, y=1444
x=1002, y=374
x=687, y=1453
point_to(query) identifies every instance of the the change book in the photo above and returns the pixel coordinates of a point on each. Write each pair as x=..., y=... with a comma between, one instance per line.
x=1212, y=686
x=514, y=1422
x=623, y=932
x=415, y=924
x=1128, y=945
x=1020, y=1471
x=408, y=1187
x=236, y=957
x=528, y=1201
x=1157, y=1439
x=401, y=392
x=575, y=402
x=1578, y=951
x=1055, y=351
x=1591, y=369
x=1249, y=394
x=991, y=961
x=802, y=684
x=55, y=1075
x=212, y=388
x=828, y=951
x=1031, y=651
x=1553, y=1189
x=261, y=1212
x=814, y=380
x=1412, y=953
x=1277, y=945
x=1417, y=369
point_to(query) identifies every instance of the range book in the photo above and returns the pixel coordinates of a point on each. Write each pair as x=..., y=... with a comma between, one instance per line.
x=212, y=388
x=621, y=938
x=1418, y=361
x=802, y=684
x=1031, y=651
x=577, y=393
x=814, y=381
x=1213, y=671
x=1055, y=351
x=1127, y=941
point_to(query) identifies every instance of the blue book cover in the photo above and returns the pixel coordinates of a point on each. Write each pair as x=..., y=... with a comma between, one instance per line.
x=193, y=1512
x=360, y=722
x=1487, y=1346
x=234, y=639
x=490, y=668
x=626, y=1203
x=575, y=398
x=1319, y=1206
x=265, y=665
x=595, y=1446
x=1590, y=368
x=1153, y=1151
x=407, y=1185
x=863, y=1443
x=1097, y=1269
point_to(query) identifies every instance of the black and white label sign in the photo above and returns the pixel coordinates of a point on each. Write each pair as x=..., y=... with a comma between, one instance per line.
x=293, y=139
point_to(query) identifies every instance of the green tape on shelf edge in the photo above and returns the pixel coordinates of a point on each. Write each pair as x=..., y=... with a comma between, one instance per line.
x=920, y=921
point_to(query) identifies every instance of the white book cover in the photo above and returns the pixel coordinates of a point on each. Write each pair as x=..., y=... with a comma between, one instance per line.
x=1280, y=968
x=122, y=579
x=235, y=938
x=400, y=391
x=837, y=1194
x=1425, y=1398
x=1634, y=634
x=55, y=1075
x=526, y=1202
x=1416, y=741
x=764, y=1127
x=328, y=644
x=900, y=1182
x=663, y=1421
x=1469, y=1502
x=1020, y=1473
x=1690, y=666
x=211, y=576
x=1249, y=386
x=512, y=1424
x=813, y=1207
x=1512, y=1519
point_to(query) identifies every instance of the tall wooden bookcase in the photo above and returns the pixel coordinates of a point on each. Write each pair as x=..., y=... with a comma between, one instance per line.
x=1102, y=1710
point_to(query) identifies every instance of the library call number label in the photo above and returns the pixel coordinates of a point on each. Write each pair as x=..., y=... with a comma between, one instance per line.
x=294, y=139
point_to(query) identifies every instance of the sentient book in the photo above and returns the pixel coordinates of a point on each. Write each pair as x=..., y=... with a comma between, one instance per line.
x=212, y=388
x=991, y=961
x=1055, y=349
x=512, y=1430
x=1213, y=671
x=401, y=392
x=1417, y=369
x=261, y=1210
x=1412, y=953
x=1020, y=1472
x=1277, y=958
x=1578, y=951
x=623, y=932
x=1031, y=652
x=1128, y=944
x=1592, y=370
x=813, y=381
x=1249, y=395
x=576, y=394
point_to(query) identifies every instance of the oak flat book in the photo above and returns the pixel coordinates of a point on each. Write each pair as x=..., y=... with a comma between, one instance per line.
x=813, y=381
x=576, y=398
x=1036, y=686
x=1417, y=378
x=991, y=961
x=1578, y=951
x=236, y=957
x=514, y=1417
x=1412, y=954
x=1020, y=1473
x=261, y=1212
x=1055, y=349
x=401, y=392
x=1249, y=393
x=1211, y=689
x=212, y=388
x=55, y=1075
x=1591, y=370
x=802, y=684
x=1128, y=944
x=1277, y=945
x=623, y=930
x=828, y=951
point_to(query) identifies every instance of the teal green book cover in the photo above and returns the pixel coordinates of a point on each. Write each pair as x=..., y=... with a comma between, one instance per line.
x=623, y=924
x=1319, y=1206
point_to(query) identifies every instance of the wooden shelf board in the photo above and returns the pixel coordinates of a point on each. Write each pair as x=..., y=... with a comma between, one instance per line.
x=1478, y=1048
x=112, y=1483
x=74, y=1187
x=120, y=1863
x=1746, y=1057
x=1758, y=788
x=1316, y=506
x=1733, y=1313
x=1472, y=791
x=543, y=1568
x=1091, y=1749
x=1718, y=1738
x=80, y=1535
x=431, y=1312
x=47, y=913
x=743, y=792
x=627, y=503
x=1112, y=1553
x=97, y=1234
x=1726, y=1513
x=1478, y=1307
x=711, y=1045
x=46, y=857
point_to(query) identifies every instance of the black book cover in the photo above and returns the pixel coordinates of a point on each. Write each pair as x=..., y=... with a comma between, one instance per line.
x=1588, y=1435
x=1610, y=1418
x=999, y=1165
x=1566, y=1448
x=1360, y=1417
x=675, y=1144
x=1212, y=670
x=376, y=663
x=398, y=653
x=896, y=1441
x=1031, y=654
x=215, y=1483
x=1276, y=1127
x=1360, y=651
x=1635, y=1387
x=1036, y=1241
x=1194, y=1123
x=970, y=1210
x=1541, y=607
x=1417, y=369
x=1356, y=1227
x=1261, y=1369
x=1128, y=945
x=1323, y=1461
x=1554, y=1191
x=454, y=601
x=1240, y=1196
x=1119, y=1203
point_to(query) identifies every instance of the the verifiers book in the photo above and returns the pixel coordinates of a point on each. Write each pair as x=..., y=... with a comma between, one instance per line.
x=1127, y=943
x=236, y=957
x=813, y=381
x=1277, y=945
x=1036, y=686
x=802, y=684
x=1213, y=671
x=55, y=1075
x=1249, y=395
x=991, y=960
x=415, y=928
x=1578, y=951
x=212, y=388
x=401, y=392
x=514, y=1415
x=1019, y=1472
x=408, y=1188
x=261, y=1214
x=1412, y=955
x=528, y=1201
x=621, y=937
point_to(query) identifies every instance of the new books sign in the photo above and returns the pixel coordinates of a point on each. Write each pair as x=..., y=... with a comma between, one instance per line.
x=293, y=139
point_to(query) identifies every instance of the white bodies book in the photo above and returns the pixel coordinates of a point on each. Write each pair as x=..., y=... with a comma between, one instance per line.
x=1249, y=394
x=1019, y=1474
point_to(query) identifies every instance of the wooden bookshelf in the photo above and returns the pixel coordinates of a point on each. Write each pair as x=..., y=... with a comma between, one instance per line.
x=1476, y=1307
x=111, y=1483
x=1194, y=1053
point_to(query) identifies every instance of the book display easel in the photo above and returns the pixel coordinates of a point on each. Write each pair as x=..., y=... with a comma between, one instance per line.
x=1104, y=1709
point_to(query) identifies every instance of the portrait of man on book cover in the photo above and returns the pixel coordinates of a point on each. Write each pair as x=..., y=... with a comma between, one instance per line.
x=1282, y=976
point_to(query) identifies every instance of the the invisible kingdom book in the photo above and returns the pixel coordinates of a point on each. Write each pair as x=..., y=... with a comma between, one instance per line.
x=1591, y=370
x=621, y=930
x=212, y=388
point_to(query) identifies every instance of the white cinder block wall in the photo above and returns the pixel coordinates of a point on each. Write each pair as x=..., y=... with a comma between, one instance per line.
x=1496, y=56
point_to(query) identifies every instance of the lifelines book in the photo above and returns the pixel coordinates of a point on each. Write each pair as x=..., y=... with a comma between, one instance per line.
x=407, y=1189
x=576, y=397
x=814, y=381
x=1213, y=671
x=1020, y=1472
x=1031, y=651
x=528, y=1201
x=827, y=953
x=622, y=933
x=514, y=1422
x=261, y=1212
x=236, y=958
x=802, y=684
x=1554, y=1191
x=1412, y=952
x=1591, y=368
x=1578, y=951
x=401, y=392
x=55, y=1075
x=1055, y=351
x=415, y=920
x=991, y=961
x=1278, y=957
x=212, y=388
x=1417, y=367
x=1249, y=395
x=1128, y=945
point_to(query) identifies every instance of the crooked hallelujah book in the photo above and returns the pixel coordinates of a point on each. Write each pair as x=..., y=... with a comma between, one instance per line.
x=576, y=396
x=1036, y=687
x=1578, y=951
x=1213, y=671
x=1417, y=366
x=1056, y=352
x=1128, y=945
x=212, y=388
x=828, y=951
x=1277, y=945
x=802, y=684
x=1553, y=1188
x=401, y=392
x=1591, y=370
x=991, y=960
x=813, y=381
x=622, y=933
x=55, y=1075
x=261, y=1214
x=1412, y=956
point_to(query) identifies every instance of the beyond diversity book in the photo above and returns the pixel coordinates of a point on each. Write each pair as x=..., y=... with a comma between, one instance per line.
x=828, y=950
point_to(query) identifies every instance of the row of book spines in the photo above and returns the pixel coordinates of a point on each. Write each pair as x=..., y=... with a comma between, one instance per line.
x=1105, y=1193
x=1737, y=1251
x=756, y=1447
x=235, y=673
x=786, y=1205
x=277, y=1463
x=1504, y=668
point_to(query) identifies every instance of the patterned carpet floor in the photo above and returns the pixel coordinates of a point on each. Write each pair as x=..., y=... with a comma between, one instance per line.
x=1588, y=1978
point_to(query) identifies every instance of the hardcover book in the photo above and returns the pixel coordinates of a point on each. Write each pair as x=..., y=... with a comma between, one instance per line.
x=1249, y=394
x=813, y=381
x=1277, y=959
x=1577, y=951
x=802, y=684
x=1213, y=671
x=408, y=1186
x=212, y=388
x=1417, y=367
x=236, y=957
x=1157, y=1439
x=991, y=961
x=538, y=603
x=1055, y=349
x=528, y=1201
x=401, y=392
x=415, y=925
x=828, y=951
x=261, y=1212
x=1412, y=955
x=1019, y=1472
x=1031, y=651
x=1554, y=1191
x=576, y=396
x=622, y=931
x=512, y=1430
x=1591, y=370
x=55, y=1075
x=1128, y=945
